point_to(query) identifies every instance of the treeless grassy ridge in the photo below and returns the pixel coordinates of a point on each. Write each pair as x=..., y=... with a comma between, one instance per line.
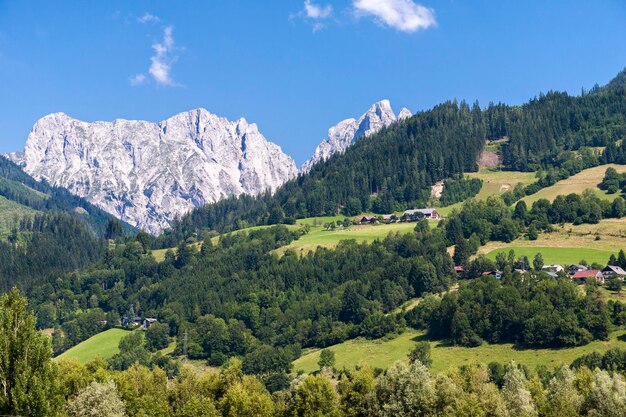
x=382, y=353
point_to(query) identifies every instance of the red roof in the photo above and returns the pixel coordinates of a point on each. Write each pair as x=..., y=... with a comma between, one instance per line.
x=459, y=269
x=591, y=273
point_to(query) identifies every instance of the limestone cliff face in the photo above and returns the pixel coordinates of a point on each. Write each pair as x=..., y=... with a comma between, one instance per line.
x=343, y=134
x=148, y=173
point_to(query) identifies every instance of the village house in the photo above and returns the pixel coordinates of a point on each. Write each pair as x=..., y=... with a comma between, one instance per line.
x=390, y=218
x=575, y=268
x=148, y=321
x=613, y=271
x=368, y=219
x=580, y=277
x=427, y=213
x=497, y=274
x=553, y=268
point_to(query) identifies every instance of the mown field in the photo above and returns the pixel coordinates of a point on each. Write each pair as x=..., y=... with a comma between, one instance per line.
x=569, y=243
x=320, y=236
x=587, y=179
x=103, y=344
x=382, y=353
x=495, y=182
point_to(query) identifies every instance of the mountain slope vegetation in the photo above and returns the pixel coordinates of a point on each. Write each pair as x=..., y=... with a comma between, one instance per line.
x=555, y=134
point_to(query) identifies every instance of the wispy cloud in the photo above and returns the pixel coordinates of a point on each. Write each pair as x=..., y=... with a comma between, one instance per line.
x=138, y=79
x=163, y=58
x=316, y=11
x=161, y=62
x=402, y=15
x=148, y=18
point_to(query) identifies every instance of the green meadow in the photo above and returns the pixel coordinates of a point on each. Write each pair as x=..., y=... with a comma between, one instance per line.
x=382, y=353
x=103, y=344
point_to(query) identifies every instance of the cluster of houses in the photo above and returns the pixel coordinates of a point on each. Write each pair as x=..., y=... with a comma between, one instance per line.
x=411, y=215
x=137, y=321
x=578, y=273
x=581, y=273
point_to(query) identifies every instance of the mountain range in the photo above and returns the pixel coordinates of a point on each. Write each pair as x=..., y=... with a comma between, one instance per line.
x=148, y=174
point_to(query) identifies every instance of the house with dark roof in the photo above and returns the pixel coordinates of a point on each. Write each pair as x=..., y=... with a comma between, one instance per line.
x=368, y=219
x=613, y=271
x=572, y=269
x=148, y=321
x=427, y=213
x=580, y=277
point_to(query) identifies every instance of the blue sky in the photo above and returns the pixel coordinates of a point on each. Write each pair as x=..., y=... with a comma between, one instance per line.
x=293, y=67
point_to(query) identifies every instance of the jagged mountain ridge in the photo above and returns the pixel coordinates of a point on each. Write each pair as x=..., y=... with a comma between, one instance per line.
x=148, y=173
x=344, y=133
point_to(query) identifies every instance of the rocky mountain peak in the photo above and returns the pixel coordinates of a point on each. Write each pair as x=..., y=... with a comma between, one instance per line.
x=343, y=134
x=149, y=173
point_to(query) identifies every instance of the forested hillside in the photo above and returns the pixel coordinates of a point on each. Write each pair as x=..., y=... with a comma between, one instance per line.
x=49, y=231
x=17, y=186
x=394, y=169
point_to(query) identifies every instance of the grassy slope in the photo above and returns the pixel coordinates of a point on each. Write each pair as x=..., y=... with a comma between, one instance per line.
x=103, y=344
x=569, y=243
x=495, y=182
x=9, y=210
x=589, y=178
x=381, y=354
x=318, y=236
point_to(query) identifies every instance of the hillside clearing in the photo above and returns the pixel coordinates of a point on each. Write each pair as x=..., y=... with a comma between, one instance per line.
x=586, y=179
x=495, y=182
x=382, y=353
x=103, y=344
x=569, y=243
x=318, y=236
x=9, y=212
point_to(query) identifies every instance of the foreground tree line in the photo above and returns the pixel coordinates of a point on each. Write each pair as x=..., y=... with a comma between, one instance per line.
x=33, y=385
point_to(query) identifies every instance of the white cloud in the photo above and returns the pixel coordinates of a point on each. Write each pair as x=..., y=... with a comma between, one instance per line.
x=403, y=15
x=163, y=58
x=138, y=79
x=149, y=18
x=316, y=11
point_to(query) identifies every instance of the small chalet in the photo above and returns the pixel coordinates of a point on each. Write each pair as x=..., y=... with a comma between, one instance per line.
x=572, y=269
x=427, y=213
x=497, y=274
x=390, y=218
x=459, y=269
x=127, y=321
x=613, y=271
x=368, y=219
x=580, y=277
x=553, y=268
x=148, y=321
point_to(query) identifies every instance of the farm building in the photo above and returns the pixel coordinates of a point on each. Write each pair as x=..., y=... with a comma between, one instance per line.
x=572, y=269
x=613, y=271
x=553, y=268
x=148, y=321
x=368, y=219
x=390, y=218
x=427, y=213
x=580, y=277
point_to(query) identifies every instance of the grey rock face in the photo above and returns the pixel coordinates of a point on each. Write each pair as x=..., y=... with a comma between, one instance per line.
x=148, y=173
x=343, y=134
